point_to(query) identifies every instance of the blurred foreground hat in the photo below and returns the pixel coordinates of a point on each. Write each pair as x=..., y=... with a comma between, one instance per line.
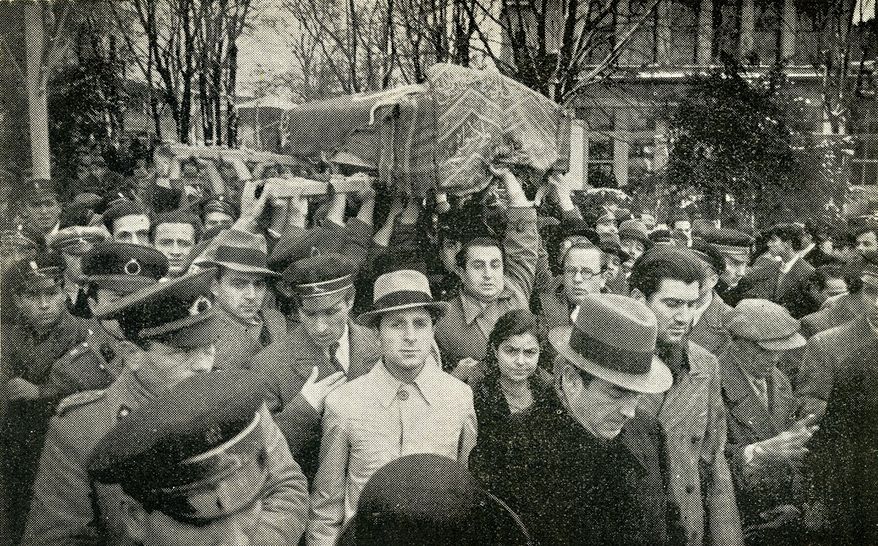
x=614, y=338
x=766, y=323
x=196, y=453
x=430, y=500
x=177, y=312
x=612, y=245
x=869, y=273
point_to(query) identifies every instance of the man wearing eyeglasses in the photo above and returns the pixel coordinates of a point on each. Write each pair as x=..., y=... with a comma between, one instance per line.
x=583, y=267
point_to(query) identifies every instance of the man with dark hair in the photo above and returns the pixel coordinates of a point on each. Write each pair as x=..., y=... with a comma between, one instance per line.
x=708, y=321
x=174, y=234
x=246, y=324
x=173, y=328
x=827, y=281
x=128, y=222
x=837, y=310
x=782, y=279
x=496, y=278
x=321, y=352
x=691, y=412
x=587, y=458
x=405, y=404
x=42, y=331
x=735, y=249
x=839, y=380
x=72, y=243
x=681, y=226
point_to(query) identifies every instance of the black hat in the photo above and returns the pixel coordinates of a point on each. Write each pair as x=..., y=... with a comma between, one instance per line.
x=196, y=453
x=430, y=500
x=662, y=237
x=45, y=270
x=611, y=244
x=710, y=255
x=119, y=208
x=124, y=267
x=37, y=188
x=176, y=312
x=320, y=275
x=218, y=203
x=730, y=242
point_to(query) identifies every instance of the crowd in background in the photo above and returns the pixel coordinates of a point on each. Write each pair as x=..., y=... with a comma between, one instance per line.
x=197, y=358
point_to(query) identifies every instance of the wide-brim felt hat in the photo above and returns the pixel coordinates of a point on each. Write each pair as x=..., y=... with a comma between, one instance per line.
x=239, y=251
x=614, y=338
x=399, y=290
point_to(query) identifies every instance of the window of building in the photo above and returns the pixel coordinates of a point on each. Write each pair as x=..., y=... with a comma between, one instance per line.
x=864, y=163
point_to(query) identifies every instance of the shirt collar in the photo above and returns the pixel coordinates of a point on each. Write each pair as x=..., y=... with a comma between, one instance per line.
x=473, y=308
x=426, y=383
x=785, y=267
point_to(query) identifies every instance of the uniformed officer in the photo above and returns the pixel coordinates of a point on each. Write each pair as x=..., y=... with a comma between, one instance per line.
x=41, y=331
x=196, y=466
x=111, y=271
x=40, y=208
x=735, y=248
x=173, y=328
x=72, y=243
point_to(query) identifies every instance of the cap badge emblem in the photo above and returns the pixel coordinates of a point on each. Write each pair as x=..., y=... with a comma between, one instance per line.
x=132, y=267
x=200, y=305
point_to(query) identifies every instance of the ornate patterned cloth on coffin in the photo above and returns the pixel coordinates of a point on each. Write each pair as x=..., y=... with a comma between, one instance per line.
x=440, y=134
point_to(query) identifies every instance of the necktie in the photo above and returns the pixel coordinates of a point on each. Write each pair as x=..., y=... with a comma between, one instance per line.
x=333, y=349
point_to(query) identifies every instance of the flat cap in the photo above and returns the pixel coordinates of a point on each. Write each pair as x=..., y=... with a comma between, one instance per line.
x=196, y=453
x=33, y=189
x=124, y=267
x=119, y=208
x=611, y=244
x=662, y=237
x=730, y=242
x=765, y=322
x=636, y=230
x=710, y=255
x=177, y=312
x=77, y=240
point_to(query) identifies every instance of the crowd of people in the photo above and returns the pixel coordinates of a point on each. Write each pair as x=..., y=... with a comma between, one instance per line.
x=189, y=366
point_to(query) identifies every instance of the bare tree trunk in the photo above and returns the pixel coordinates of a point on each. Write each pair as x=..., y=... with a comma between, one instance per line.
x=231, y=110
x=36, y=90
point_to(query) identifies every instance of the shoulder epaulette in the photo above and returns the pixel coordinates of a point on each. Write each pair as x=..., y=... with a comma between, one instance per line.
x=77, y=400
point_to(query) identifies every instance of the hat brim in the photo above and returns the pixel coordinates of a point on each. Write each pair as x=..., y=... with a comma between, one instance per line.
x=657, y=380
x=795, y=341
x=239, y=267
x=124, y=284
x=369, y=318
x=192, y=285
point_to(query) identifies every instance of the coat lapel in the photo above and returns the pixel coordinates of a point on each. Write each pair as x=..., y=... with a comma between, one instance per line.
x=365, y=350
x=743, y=403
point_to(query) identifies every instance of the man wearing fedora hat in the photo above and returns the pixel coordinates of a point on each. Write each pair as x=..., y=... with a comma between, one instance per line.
x=172, y=325
x=764, y=443
x=321, y=351
x=692, y=413
x=839, y=380
x=246, y=326
x=406, y=404
x=588, y=458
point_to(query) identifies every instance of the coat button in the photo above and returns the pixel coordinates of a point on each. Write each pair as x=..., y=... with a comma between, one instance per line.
x=689, y=489
x=402, y=395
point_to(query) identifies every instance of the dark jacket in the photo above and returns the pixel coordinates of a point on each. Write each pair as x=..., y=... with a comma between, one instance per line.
x=710, y=331
x=843, y=464
x=286, y=365
x=749, y=421
x=235, y=345
x=500, y=431
x=575, y=489
x=789, y=291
